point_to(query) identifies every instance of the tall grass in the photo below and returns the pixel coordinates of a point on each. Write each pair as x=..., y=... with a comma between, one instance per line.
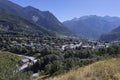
x=102, y=70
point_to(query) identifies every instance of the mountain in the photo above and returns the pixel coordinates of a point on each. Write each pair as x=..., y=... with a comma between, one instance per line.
x=17, y=25
x=92, y=26
x=111, y=36
x=46, y=19
x=35, y=16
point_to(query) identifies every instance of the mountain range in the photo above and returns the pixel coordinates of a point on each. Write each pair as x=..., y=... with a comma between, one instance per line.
x=41, y=19
x=16, y=19
x=92, y=27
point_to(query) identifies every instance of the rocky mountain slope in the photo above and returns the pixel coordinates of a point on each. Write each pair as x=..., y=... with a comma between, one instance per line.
x=15, y=25
x=35, y=16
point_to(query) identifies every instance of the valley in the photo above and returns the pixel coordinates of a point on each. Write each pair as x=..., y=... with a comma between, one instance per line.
x=37, y=45
x=54, y=56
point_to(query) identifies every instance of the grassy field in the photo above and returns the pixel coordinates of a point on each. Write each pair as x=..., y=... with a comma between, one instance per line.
x=8, y=65
x=102, y=70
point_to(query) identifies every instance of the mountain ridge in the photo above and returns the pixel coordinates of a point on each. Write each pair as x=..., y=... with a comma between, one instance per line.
x=114, y=35
x=33, y=15
x=17, y=24
x=92, y=26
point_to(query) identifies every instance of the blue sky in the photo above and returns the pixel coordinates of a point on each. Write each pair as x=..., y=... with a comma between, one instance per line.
x=68, y=9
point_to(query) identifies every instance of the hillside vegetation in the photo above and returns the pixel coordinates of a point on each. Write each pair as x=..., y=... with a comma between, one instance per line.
x=102, y=70
x=8, y=67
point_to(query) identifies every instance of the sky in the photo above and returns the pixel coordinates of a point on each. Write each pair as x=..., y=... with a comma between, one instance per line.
x=69, y=9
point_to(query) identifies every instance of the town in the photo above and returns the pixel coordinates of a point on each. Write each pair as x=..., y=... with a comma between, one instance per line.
x=33, y=50
x=54, y=43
